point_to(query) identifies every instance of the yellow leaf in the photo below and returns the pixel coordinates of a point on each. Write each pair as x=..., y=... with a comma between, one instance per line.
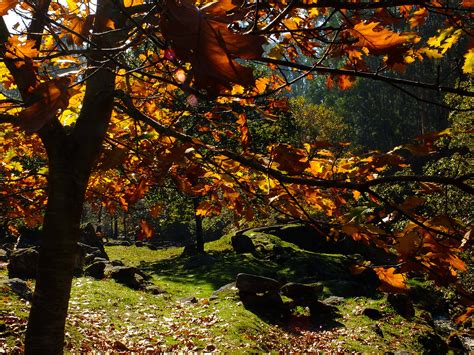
x=128, y=3
x=391, y=281
x=468, y=67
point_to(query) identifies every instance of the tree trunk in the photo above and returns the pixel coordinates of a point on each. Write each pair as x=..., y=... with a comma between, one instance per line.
x=61, y=228
x=198, y=221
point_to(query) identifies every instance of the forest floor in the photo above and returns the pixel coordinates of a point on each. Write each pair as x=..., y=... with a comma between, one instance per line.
x=105, y=316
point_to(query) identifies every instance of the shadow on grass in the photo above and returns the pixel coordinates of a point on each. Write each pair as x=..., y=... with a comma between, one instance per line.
x=220, y=268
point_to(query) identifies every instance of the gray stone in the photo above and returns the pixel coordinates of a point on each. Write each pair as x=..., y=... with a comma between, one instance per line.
x=254, y=284
x=228, y=290
x=302, y=294
x=96, y=270
x=3, y=255
x=129, y=276
x=20, y=287
x=402, y=304
x=334, y=300
x=372, y=313
x=242, y=244
x=153, y=289
x=23, y=263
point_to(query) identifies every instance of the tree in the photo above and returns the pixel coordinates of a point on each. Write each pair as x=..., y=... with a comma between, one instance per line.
x=81, y=70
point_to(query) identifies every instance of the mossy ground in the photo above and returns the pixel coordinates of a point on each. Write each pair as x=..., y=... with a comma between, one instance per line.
x=105, y=315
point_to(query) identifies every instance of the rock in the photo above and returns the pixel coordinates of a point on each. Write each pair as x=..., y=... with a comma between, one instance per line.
x=228, y=290
x=117, y=263
x=402, y=304
x=190, y=299
x=138, y=243
x=461, y=342
x=254, y=284
x=242, y=244
x=128, y=276
x=28, y=238
x=433, y=344
x=89, y=237
x=377, y=330
x=269, y=304
x=153, y=289
x=23, y=263
x=322, y=313
x=3, y=255
x=334, y=301
x=372, y=313
x=302, y=294
x=20, y=287
x=96, y=270
x=199, y=260
x=79, y=261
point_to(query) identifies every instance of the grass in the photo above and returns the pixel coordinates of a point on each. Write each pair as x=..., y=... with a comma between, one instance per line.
x=105, y=315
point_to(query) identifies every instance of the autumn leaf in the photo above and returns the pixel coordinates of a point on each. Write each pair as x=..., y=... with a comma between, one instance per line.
x=409, y=244
x=244, y=130
x=293, y=161
x=468, y=67
x=203, y=38
x=139, y=192
x=20, y=48
x=6, y=5
x=50, y=96
x=392, y=282
x=146, y=229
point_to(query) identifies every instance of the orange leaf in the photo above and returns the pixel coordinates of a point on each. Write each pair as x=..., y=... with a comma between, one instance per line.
x=409, y=244
x=156, y=210
x=244, y=130
x=6, y=5
x=469, y=311
x=391, y=281
x=146, y=229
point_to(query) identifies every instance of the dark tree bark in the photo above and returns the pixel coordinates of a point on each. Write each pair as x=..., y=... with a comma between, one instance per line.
x=71, y=158
x=199, y=233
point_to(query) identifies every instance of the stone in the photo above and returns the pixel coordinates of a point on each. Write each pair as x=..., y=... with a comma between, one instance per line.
x=117, y=263
x=154, y=290
x=322, y=313
x=20, y=287
x=128, y=276
x=433, y=344
x=302, y=294
x=3, y=255
x=199, y=261
x=190, y=299
x=377, y=330
x=96, y=270
x=23, y=263
x=242, y=244
x=402, y=304
x=372, y=313
x=334, y=300
x=228, y=290
x=28, y=238
x=254, y=284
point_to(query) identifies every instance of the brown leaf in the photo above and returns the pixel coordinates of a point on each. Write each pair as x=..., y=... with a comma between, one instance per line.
x=293, y=161
x=51, y=96
x=203, y=38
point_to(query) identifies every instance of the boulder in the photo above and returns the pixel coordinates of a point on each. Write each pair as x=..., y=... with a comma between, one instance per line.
x=129, y=276
x=23, y=263
x=402, y=304
x=20, y=287
x=89, y=237
x=154, y=290
x=302, y=294
x=433, y=344
x=228, y=290
x=242, y=244
x=254, y=284
x=28, y=238
x=334, y=301
x=372, y=313
x=96, y=269
x=3, y=255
